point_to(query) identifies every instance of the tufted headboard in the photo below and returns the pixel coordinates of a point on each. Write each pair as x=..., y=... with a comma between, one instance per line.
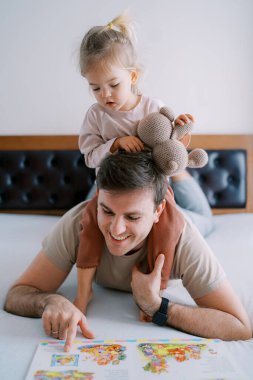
x=47, y=174
x=42, y=174
x=227, y=179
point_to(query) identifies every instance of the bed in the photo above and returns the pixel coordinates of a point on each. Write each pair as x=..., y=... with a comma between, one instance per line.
x=43, y=176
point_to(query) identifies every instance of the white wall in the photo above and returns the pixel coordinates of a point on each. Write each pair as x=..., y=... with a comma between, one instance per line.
x=198, y=55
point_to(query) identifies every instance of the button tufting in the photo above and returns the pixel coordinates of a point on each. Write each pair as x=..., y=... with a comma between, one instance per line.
x=39, y=179
x=53, y=198
x=80, y=161
x=52, y=162
x=26, y=198
x=231, y=179
x=66, y=180
x=24, y=163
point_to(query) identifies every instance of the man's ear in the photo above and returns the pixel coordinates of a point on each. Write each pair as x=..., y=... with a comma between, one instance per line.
x=159, y=210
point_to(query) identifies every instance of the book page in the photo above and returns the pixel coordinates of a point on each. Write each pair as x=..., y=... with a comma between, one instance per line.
x=200, y=359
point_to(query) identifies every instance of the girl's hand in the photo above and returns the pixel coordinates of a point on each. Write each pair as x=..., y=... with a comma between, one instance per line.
x=128, y=143
x=184, y=119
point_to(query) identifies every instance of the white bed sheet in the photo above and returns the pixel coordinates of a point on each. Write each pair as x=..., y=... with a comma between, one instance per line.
x=112, y=314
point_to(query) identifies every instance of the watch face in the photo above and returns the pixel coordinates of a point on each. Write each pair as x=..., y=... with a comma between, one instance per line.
x=159, y=318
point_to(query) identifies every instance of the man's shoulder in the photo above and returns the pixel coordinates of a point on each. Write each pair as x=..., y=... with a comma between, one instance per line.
x=192, y=244
x=75, y=212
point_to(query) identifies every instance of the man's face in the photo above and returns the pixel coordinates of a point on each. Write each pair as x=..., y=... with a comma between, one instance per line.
x=126, y=218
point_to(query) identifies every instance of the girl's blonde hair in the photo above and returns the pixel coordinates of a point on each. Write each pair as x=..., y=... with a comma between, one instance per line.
x=108, y=45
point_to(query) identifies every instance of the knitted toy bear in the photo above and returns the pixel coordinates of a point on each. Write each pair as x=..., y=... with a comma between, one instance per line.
x=159, y=133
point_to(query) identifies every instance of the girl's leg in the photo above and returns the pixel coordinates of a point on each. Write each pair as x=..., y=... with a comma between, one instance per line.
x=84, y=288
x=192, y=202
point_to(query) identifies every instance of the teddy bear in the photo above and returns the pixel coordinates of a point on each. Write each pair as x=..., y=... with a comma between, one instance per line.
x=168, y=142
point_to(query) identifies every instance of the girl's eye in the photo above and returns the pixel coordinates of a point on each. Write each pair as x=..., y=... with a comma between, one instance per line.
x=114, y=85
x=96, y=89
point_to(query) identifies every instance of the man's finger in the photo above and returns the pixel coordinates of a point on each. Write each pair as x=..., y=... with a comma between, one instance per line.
x=87, y=333
x=47, y=325
x=71, y=334
x=159, y=264
x=136, y=269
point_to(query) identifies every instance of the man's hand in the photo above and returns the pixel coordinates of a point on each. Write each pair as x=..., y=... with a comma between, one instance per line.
x=61, y=318
x=128, y=143
x=146, y=288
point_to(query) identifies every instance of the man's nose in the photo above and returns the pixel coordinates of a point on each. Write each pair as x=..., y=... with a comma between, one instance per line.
x=118, y=226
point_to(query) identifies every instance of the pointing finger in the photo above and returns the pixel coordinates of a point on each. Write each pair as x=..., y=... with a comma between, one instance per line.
x=71, y=334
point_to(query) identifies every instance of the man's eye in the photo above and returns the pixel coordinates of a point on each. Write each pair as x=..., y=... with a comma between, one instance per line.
x=107, y=212
x=133, y=218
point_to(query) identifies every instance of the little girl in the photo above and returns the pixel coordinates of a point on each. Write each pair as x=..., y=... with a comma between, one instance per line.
x=108, y=60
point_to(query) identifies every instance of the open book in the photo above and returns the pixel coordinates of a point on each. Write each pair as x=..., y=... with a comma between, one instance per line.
x=200, y=359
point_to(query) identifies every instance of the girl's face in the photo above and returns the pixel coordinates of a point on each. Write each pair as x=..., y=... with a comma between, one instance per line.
x=112, y=87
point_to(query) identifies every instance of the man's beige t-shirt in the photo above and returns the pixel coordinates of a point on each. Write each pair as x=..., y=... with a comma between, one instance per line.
x=194, y=263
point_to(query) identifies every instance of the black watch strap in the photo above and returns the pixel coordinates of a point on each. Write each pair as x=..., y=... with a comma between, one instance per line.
x=161, y=315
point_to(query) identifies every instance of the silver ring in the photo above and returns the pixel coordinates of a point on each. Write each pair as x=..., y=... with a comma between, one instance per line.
x=55, y=332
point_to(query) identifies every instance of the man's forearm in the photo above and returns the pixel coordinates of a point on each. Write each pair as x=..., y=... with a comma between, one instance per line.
x=208, y=323
x=26, y=301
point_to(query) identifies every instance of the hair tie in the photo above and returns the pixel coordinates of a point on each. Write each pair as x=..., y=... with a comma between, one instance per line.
x=110, y=25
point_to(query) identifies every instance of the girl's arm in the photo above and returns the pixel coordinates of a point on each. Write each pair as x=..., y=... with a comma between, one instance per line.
x=94, y=141
x=98, y=139
x=128, y=143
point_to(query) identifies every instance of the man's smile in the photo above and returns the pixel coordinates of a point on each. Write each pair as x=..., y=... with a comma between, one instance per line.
x=119, y=238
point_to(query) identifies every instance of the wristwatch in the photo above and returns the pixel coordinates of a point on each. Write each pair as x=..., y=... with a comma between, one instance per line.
x=161, y=315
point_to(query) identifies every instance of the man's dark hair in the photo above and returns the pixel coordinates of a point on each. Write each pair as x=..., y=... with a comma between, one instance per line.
x=125, y=171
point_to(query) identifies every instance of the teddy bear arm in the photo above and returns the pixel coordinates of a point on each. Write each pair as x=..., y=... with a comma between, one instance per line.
x=180, y=131
x=167, y=112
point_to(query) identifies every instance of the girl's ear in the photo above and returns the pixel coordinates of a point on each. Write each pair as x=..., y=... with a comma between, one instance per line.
x=134, y=76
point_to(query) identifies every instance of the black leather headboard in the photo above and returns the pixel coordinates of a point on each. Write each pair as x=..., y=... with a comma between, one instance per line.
x=43, y=180
x=59, y=179
x=224, y=178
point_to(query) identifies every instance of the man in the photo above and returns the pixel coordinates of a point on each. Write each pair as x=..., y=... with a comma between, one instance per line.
x=131, y=200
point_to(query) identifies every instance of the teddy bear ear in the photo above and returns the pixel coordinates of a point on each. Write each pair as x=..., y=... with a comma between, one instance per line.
x=171, y=157
x=166, y=111
x=197, y=158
